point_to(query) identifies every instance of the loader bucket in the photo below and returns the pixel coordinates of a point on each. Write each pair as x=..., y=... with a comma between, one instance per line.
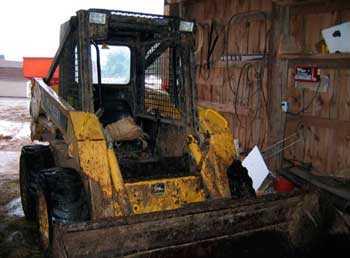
x=198, y=230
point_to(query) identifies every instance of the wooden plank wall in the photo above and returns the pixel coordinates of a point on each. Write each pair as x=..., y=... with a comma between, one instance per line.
x=218, y=83
x=327, y=120
x=326, y=123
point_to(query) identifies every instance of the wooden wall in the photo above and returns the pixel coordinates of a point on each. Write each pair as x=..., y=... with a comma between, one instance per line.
x=327, y=120
x=244, y=105
x=253, y=105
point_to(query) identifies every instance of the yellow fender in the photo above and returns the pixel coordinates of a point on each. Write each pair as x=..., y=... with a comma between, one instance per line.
x=216, y=154
x=99, y=164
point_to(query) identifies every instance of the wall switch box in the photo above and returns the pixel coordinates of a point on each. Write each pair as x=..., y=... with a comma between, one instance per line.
x=285, y=106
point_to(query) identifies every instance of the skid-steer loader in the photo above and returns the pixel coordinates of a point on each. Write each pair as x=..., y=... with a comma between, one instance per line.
x=129, y=165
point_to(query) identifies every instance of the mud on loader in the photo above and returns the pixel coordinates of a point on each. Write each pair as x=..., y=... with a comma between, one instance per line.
x=132, y=167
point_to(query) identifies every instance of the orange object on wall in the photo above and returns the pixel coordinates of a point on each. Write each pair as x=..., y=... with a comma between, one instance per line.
x=38, y=67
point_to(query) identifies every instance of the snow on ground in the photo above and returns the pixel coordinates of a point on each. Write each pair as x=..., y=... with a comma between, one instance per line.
x=14, y=125
x=10, y=130
x=14, y=133
x=14, y=109
x=14, y=208
x=16, y=234
x=9, y=163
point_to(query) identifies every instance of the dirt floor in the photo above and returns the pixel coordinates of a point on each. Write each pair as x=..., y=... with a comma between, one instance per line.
x=17, y=237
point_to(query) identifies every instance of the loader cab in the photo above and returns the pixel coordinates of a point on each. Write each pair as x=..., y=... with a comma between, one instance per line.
x=138, y=66
x=112, y=81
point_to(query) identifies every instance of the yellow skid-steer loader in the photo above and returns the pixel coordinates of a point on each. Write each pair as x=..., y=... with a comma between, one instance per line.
x=129, y=165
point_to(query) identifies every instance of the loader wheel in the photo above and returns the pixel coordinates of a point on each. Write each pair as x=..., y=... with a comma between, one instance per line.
x=241, y=185
x=43, y=220
x=33, y=159
x=61, y=198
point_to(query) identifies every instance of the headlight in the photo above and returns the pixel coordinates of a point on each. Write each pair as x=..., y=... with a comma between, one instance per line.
x=186, y=26
x=97, y=18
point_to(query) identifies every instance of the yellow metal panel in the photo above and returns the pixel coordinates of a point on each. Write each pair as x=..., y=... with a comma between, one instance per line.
x=94, y=163
x=216, y=155
x=87, y=144
x=195, y=150
x=211, y=121
x=147, y=196
x=100, y=165
x=214, y=175
x=223, y=147
x=86, y=126
x=122, y=206
x=220, y=134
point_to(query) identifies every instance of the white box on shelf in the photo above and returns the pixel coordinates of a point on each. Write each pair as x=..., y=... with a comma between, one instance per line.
x=338, y=38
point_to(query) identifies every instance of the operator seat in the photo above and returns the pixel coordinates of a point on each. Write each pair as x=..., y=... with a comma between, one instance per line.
x=114, y=111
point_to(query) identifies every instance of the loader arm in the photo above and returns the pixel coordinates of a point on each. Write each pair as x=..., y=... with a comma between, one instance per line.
x=216, y=152
x=84, y=136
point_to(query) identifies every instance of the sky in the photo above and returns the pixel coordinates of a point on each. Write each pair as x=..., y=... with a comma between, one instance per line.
x=30, y=28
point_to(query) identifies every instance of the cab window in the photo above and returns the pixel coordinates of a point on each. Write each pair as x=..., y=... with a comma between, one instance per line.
x=115, y=64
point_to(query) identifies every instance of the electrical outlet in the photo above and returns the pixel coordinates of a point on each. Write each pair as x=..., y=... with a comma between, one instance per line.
x=285, y=106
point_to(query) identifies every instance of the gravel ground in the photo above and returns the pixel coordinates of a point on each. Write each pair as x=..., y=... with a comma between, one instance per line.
x=16, y=235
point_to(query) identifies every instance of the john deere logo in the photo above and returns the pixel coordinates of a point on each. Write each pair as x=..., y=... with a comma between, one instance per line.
x=158, y=189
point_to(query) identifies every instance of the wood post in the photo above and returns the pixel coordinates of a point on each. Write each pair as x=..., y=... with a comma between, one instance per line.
x=278, y=69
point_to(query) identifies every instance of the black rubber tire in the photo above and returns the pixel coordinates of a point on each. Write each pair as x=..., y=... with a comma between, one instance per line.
x=241, y=185
x=33, y=159
x=65, y=197
x=65, y=194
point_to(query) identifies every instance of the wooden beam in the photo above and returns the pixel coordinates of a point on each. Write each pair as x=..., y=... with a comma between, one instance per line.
x=334, y=187
x=321, y=122
x=295, y=2
x=320, y=7
x=329, y=57
x=277, y=79
x=225, y=107
x=174, y=2
x=323, y=61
